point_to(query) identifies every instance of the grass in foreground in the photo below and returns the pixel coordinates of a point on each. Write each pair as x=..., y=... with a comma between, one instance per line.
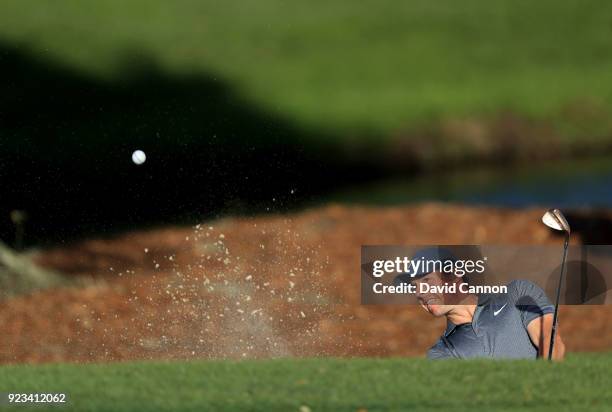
x=580, y=383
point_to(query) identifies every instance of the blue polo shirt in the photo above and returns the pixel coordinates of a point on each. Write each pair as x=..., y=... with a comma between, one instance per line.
x=499, y=326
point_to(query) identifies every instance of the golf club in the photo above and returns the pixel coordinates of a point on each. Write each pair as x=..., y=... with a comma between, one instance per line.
x=554, y=219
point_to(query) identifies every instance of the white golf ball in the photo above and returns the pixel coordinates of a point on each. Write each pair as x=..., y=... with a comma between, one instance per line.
x=139, y=157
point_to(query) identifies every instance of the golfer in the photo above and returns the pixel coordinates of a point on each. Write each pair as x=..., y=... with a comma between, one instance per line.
x=512, y=325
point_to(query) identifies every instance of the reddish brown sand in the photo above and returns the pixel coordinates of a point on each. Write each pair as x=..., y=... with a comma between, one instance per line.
x=256, y=287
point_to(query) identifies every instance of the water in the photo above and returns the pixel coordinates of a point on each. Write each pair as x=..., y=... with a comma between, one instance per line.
x=566, y=184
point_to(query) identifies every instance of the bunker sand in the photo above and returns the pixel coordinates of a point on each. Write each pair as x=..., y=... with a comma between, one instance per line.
x=269, y=286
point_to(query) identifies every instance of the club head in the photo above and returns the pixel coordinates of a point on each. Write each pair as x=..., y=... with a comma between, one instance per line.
x=554, y=219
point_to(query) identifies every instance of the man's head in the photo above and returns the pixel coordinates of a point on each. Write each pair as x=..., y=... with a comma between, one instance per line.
x=431, y=299
x=430, y=276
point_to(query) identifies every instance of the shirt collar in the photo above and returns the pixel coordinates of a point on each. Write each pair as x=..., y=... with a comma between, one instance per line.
x=483, y=299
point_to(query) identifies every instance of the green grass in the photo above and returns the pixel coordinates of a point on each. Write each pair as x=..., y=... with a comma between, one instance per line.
x=582, y=382
x=357, y=68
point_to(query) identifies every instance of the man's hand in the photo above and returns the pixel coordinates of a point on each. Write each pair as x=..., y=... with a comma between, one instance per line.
x=539, y=331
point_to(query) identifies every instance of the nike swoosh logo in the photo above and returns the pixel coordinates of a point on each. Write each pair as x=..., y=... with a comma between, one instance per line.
x=495, y=313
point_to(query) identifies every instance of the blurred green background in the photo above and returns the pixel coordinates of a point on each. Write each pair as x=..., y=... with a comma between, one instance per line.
x=256, y=106
x=371, y=67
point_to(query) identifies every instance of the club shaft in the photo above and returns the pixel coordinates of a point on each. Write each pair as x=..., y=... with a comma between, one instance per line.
x=556, y=315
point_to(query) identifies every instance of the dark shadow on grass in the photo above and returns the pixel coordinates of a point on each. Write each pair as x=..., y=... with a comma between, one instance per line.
x=66, y=141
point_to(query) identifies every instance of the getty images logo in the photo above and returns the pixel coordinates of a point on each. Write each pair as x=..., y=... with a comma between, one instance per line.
x=458, y=267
